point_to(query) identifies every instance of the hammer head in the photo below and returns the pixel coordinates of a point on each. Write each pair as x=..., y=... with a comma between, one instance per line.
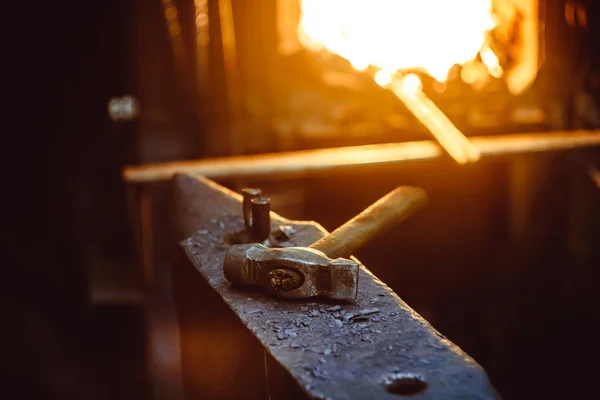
x=293, y=272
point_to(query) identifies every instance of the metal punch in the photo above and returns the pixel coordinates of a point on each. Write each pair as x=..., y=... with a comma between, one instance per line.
x=321, y=269
x=257, y=214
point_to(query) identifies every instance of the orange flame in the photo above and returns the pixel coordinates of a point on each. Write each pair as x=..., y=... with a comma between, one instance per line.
x=395, y=35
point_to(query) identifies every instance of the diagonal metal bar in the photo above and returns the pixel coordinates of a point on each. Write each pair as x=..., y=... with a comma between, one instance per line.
x=456, y=144
x=376, y=348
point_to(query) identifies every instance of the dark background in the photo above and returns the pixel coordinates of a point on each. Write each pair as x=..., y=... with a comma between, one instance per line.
x=70, y=58
x=67, y=206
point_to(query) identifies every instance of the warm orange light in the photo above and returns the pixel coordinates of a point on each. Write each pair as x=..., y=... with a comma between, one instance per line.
x=398, y=35
x=382, y=78
x=490, y=59
x=395, y=35
x=408, y=90
x=412, y=83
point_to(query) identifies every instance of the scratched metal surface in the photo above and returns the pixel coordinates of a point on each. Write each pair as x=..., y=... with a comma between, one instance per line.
x=333, y=351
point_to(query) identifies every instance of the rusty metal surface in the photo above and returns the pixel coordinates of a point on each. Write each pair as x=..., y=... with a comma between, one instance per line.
x=347, y=351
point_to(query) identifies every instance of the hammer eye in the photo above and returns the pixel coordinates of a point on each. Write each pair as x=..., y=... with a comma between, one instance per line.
x=285, y=279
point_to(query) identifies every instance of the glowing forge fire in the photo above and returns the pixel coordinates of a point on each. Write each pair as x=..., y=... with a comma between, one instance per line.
x=398, y=35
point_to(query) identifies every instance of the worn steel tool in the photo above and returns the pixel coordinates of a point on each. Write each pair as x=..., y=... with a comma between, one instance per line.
x=376, y=347
x=321, y=269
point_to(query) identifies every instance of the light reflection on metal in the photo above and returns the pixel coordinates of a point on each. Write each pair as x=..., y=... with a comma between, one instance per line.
x=302, y=162
x=460, y=148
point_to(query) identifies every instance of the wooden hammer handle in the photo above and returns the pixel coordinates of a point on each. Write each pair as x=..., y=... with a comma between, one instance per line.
x=378, y=218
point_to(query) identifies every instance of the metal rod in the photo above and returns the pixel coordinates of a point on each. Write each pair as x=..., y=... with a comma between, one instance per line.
x=378, y=218
x=261, y=220
x=456, y=144
x=300, y=162
x=249, y=194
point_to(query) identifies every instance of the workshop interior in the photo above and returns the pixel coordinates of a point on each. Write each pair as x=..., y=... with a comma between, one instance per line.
x=180, y=124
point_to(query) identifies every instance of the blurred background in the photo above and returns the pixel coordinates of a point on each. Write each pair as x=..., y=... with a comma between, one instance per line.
x=504, y=261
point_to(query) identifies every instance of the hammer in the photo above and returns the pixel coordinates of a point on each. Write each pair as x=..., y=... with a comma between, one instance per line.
x=321, y=269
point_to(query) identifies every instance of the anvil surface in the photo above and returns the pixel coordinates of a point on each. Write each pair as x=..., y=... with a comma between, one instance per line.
x=330, y=350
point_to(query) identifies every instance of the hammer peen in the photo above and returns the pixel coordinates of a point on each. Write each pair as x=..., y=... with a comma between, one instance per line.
x=322, y=269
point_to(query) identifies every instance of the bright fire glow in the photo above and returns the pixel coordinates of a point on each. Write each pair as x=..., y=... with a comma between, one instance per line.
x=395, y=35
x=411, y=83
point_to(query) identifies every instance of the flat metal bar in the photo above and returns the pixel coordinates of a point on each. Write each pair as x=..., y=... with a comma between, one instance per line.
x=343, y=351
x=300, y=162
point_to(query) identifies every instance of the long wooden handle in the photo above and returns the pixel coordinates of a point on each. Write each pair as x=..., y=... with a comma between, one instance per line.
x=378, y=218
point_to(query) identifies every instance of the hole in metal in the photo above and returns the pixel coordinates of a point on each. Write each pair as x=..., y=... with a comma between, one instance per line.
x=285, y=279
x=405, y=384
